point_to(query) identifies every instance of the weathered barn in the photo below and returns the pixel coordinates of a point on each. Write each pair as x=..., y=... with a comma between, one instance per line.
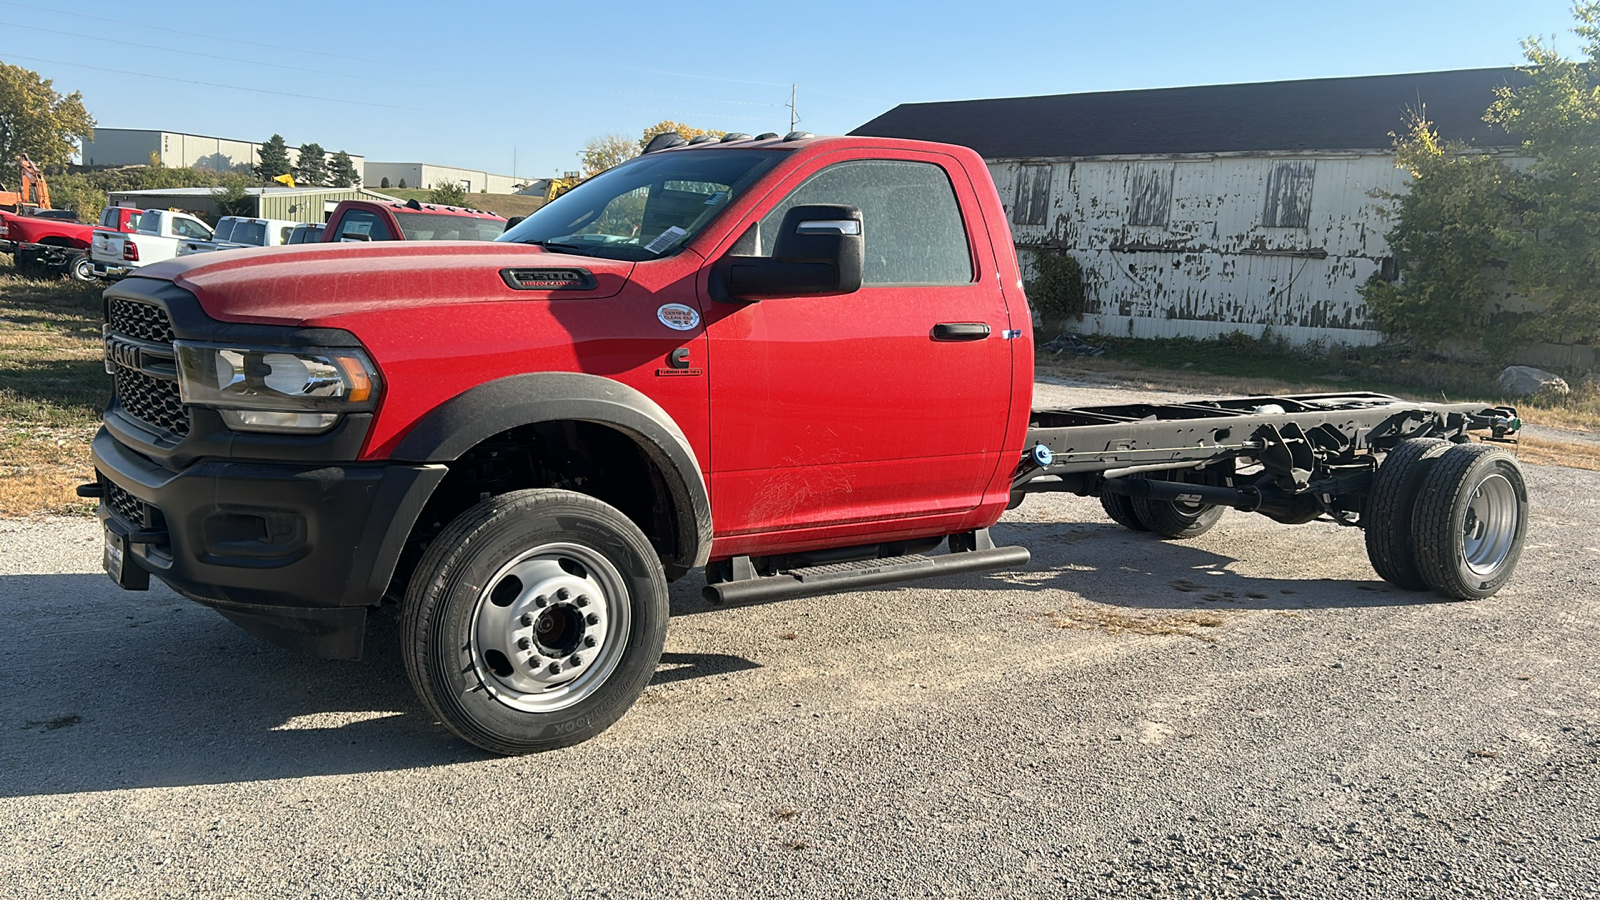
x=1204, y=210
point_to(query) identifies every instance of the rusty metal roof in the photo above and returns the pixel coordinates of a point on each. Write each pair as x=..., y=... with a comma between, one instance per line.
x=1317, y=114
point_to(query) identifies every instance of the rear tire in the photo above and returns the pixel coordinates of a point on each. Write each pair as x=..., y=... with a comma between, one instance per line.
x=1120, y=508
x=534, y=621
x=1470, y=522
x=1388, y=514
x=81, y=269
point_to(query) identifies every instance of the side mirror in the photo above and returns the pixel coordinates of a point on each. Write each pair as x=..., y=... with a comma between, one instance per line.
x=818, y=250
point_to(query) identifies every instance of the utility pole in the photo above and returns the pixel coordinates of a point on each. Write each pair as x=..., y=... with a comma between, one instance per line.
x=794, y=118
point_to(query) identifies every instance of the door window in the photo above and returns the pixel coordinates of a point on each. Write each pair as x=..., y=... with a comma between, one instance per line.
x=911, y=224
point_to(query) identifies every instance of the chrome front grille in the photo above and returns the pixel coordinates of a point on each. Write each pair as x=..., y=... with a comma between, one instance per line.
x=145, y=379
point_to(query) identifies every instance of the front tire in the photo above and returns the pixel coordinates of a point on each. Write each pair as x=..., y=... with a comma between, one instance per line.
x=1470, y=521
x=534, y=621
x=81, y=269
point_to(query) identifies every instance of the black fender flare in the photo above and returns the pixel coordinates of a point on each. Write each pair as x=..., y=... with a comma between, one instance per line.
x=471, y=417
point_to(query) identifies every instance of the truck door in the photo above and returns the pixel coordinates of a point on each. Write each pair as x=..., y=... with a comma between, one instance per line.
x=856, y=413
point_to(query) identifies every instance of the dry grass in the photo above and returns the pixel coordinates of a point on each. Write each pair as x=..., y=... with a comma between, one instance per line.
x=52, y=388
x=1559, y=453
x=1115, y=621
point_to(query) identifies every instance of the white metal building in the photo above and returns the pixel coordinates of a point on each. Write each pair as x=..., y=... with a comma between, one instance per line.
x=134, y=146
x=1205, y=210
x=427, y=175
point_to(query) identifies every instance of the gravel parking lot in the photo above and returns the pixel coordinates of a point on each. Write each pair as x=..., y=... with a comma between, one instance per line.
x=1251, y=713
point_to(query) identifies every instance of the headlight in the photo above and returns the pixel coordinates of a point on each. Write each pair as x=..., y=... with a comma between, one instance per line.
x=280, y=389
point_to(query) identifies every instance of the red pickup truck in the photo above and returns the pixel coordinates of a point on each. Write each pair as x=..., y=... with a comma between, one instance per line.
x=369, y=220
x=59, y=244
x=802, y=364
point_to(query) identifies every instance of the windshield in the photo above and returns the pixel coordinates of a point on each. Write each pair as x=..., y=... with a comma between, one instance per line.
x=445, y=227
x=646, y=207
x=252, y=233
x=224, y=229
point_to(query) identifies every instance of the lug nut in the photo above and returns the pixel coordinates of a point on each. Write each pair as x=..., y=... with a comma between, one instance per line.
x=523, y=643
x=589, y=642
x=582, y=600
x=576, y=660
x=541, y=601
x=555, y=668
x=592, y=619
x=563, y=594
x=527, y=621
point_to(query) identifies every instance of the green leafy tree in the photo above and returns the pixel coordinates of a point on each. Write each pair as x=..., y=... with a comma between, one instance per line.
x=233, y=196
x=1474, y=232
x=313, y=168
x=447, y=193
x=274, y=158
x=402, y=183
x=607, y=151
x=37, y=120
x=385, y=182
x=342, y=171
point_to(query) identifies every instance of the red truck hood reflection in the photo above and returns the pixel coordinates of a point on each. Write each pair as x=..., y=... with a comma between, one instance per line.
x=300, y=284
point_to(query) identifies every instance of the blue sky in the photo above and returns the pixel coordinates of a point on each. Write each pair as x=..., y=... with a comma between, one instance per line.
x=486, y=84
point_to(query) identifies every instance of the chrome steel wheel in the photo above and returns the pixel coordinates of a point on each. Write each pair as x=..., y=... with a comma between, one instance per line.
x=1490, y=526
x=548, y=628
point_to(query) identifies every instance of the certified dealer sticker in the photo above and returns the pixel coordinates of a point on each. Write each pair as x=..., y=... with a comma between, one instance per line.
x=678, y=317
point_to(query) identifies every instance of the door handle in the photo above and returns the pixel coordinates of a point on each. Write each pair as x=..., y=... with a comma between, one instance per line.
x=960, y=331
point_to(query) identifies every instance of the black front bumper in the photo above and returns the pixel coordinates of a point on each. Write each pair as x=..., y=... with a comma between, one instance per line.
x=292, y=552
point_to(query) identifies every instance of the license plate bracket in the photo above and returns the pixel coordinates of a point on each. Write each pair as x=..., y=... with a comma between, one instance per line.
x=120, y=565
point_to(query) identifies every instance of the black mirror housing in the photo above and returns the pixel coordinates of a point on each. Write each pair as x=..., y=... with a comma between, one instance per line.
x=818, y=251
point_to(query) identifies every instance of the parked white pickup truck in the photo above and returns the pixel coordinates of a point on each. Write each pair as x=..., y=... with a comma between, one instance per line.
x=236, y=232
x=159, y=234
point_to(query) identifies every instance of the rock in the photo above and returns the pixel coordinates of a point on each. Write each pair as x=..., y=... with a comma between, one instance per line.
x=1525, y=381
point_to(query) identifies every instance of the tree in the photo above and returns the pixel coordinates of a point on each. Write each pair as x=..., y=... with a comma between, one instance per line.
x=687, y=132
x=402, y=183
x=233, y=197
x=35, y=119
x=342, y=171
x=384, y=183
x=274, y=158
x=1473, y=230
x=313, y=168
x=606, y=151
x=447, y=193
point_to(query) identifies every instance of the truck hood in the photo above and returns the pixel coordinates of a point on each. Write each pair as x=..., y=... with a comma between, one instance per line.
x=301, y=284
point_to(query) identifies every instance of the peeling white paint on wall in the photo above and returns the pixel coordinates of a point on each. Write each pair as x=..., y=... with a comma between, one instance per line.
x=1196, y=246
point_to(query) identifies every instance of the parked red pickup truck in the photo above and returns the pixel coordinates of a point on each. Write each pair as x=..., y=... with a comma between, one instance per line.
x=801, y=364
x=369, y=220
x=56, y=244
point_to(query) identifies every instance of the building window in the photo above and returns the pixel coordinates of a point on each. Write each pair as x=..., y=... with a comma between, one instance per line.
x=1150, y=195
x=1288, y=203
x=1031, y=205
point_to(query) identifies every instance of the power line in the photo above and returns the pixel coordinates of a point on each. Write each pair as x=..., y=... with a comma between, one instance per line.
x=230, y=87
x=250, y=62
x=212, y=37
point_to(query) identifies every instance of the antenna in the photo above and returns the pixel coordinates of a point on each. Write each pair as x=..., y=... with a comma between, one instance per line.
x=794, y=117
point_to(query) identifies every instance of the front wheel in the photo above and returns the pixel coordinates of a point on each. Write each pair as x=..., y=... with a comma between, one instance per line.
x=534, y=621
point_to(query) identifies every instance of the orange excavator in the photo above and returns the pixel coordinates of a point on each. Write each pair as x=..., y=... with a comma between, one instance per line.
x=35, y=192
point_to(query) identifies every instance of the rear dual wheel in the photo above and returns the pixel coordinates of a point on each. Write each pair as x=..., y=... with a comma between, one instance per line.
x=534, y=621
x=1447, y=517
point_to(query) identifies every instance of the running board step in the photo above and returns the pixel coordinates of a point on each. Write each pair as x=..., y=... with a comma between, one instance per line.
x=829, y=579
